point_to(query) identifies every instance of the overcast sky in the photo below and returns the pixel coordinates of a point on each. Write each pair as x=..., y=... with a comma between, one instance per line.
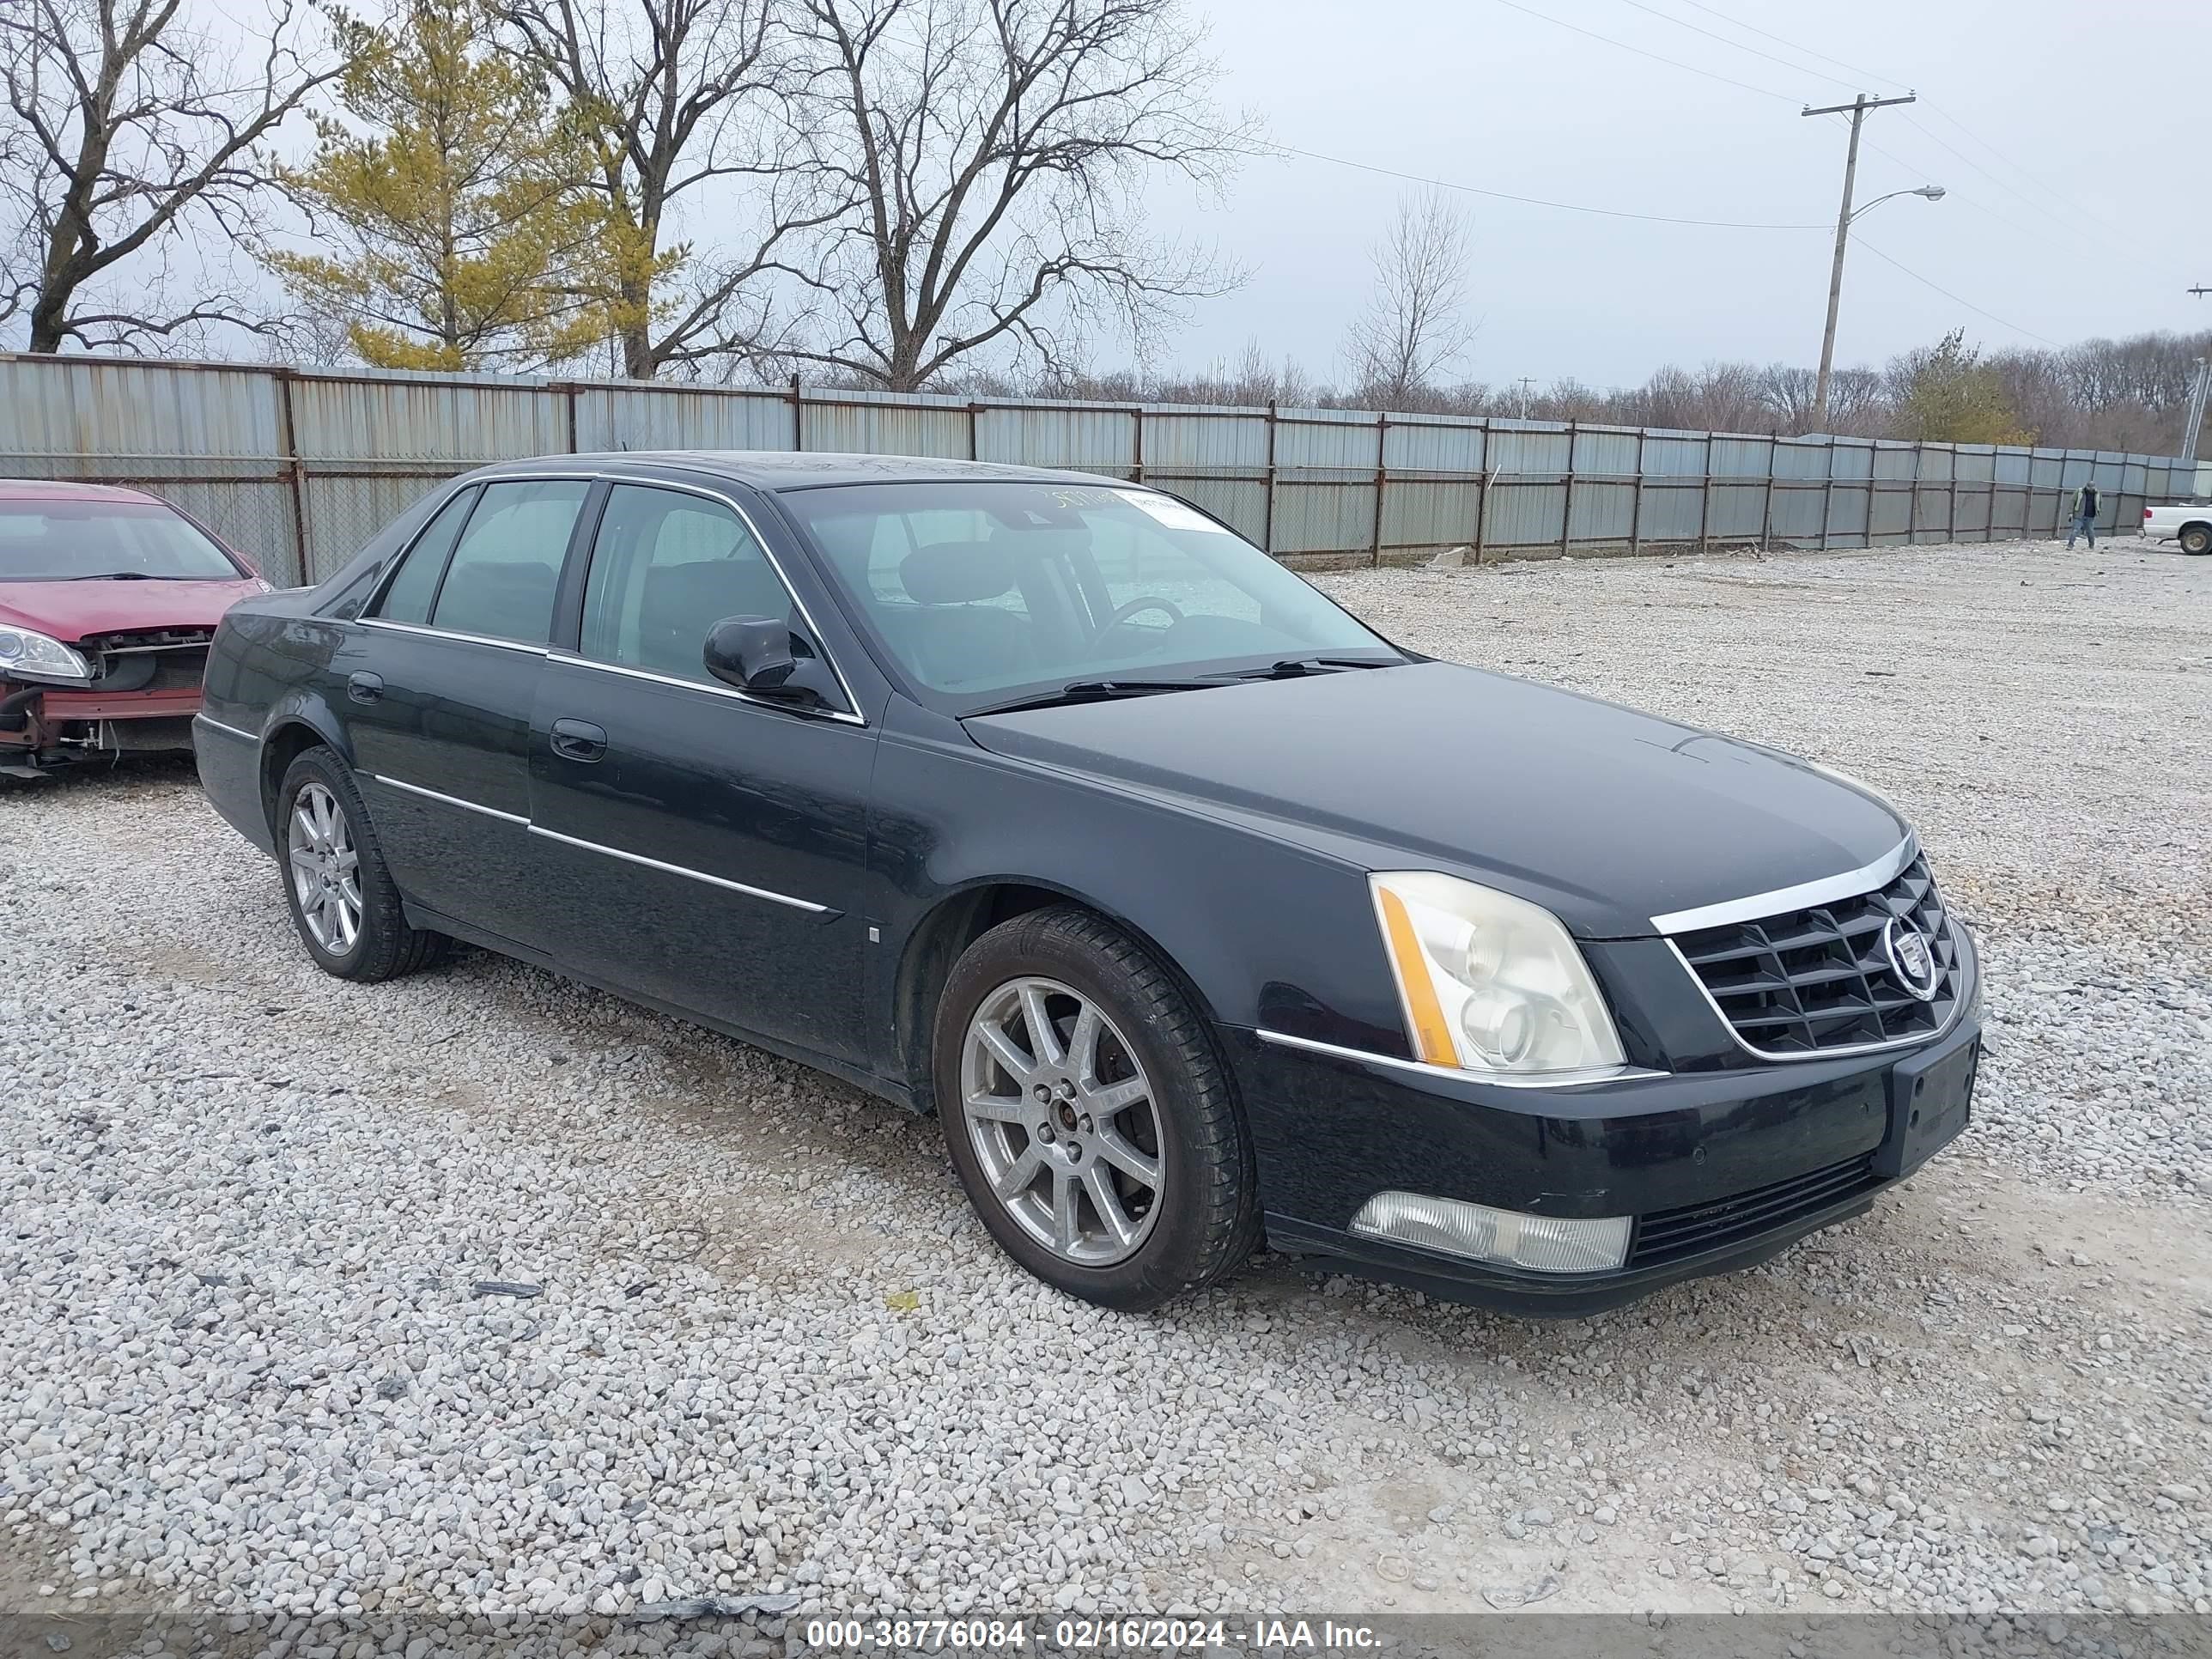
x=2074, y=168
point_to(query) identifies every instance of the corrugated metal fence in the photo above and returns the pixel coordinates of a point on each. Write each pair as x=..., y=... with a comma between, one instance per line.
x=299, y=466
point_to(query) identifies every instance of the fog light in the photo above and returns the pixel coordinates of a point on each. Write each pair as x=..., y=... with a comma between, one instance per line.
x=1542, y=1243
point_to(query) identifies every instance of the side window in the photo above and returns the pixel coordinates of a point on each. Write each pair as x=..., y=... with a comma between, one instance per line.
x=408, y=598
x=665, y=566
x=504, y=572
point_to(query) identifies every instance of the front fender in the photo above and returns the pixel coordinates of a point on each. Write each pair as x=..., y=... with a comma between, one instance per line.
x=1263, y=931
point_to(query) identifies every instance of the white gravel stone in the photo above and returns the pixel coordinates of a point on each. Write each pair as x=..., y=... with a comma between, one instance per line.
x=247, y=1359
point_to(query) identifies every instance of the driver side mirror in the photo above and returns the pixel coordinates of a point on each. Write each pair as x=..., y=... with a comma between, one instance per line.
x=761, y=655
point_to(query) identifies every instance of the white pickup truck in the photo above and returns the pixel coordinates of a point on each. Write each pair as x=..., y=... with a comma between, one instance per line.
x=2190, y=523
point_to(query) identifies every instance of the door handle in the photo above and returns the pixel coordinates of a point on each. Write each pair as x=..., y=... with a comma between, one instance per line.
x=364, y=687
x=578, y=741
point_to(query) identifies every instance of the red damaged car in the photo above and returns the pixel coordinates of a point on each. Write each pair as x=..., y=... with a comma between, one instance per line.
x=108, y=599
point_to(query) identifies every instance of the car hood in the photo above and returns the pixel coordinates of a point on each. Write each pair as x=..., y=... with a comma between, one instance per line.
x=69, y=611
x=1606, y=816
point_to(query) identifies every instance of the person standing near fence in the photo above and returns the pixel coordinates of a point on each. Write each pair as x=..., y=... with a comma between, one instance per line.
x=2086, y=504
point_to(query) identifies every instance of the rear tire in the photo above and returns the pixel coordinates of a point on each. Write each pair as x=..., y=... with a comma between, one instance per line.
x=2197, y=538
x=340, y=893
x=1110, y=1159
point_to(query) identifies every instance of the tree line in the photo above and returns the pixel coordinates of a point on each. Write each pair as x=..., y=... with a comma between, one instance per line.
x=903, y=194
x=883, y=189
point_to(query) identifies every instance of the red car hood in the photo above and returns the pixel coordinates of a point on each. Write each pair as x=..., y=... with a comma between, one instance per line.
x=70, y=610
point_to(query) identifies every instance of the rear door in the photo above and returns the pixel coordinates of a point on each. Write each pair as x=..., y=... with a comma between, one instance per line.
x=437, y=685
x=702, y=847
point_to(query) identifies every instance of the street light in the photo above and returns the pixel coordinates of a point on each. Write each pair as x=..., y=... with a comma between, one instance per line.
x=1933, y=192
x=1850, y=216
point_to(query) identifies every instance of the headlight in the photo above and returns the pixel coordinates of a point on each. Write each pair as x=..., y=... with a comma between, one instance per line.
x=35, y=657
x=1490, y=982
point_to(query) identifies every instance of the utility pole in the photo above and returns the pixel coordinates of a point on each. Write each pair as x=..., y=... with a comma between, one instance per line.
x=2194, y=423
x=1856, y=109
x=1525, y=382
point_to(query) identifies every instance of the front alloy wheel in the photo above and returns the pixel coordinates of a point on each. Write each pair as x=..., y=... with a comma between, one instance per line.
x=326, y=869
x=1088, y=1113
x=1061, y=1115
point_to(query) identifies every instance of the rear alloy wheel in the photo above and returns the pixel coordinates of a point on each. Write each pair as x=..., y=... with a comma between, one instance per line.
x=2197, y=538
x=325, y=869
x=1088, y=1116
x=341, y=896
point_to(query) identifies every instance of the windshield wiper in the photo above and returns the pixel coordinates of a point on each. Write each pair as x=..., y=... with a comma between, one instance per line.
x=124, y=576
x=1290, y=668
x=1093, y=691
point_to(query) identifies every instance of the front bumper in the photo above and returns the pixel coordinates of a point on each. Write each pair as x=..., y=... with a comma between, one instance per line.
x=49, y=724
x=1721, y=1167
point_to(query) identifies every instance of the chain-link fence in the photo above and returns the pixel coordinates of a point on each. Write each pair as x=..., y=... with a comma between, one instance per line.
x=297, y=468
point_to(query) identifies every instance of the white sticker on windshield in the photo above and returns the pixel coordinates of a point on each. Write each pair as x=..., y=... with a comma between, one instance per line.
x=1168, y=512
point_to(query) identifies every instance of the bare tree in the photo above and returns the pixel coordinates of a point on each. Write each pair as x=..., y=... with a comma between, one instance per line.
x=133, y=128
x=1413, y=329
x=690, y=103
x=993, y=150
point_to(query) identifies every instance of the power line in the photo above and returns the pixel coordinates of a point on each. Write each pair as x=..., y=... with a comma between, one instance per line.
x=1738, y=46
x=1537, y=201
x=2040, y=207
x=1671, y=63
x=1864, y=74
x=1946, y=294
x=1915, y=169
x=2071, y=206
x=2055, y=195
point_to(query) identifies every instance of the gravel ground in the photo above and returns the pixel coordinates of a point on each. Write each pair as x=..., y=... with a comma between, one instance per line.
x=480, y=1291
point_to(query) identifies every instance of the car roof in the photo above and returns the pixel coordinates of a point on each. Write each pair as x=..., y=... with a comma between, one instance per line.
x=56, y=489
x=785, y=470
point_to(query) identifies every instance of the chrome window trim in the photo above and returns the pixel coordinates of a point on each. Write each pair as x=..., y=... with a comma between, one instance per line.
x=1886, y=1046
x=571, y=660
x=614, y=480
x=227, y=731
x=453, y=634
x=851, y=713
x=1802, y=896
x=386, y=577
x=450, y=800
x=1504, y=1079
x=681, y=870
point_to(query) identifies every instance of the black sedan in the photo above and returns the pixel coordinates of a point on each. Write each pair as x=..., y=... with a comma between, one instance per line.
x=1198, y=911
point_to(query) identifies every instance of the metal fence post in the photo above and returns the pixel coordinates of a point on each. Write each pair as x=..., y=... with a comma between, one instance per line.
x=1828, y=494
x=1705, y=498
x=1766, y=505
x=1382, y=480
x=798, y=415
x=1137, y=472
x=1912, y=512
x=290, y=440
x=1635, y=502
x=1567, y=491
x=570, y=389
x=1267, y=507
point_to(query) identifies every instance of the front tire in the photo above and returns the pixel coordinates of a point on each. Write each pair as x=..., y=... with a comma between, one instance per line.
x=341, y=896
x=1088, y=1116
x=2197, y=538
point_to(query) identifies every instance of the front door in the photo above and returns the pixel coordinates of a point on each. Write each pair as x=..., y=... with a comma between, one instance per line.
x=700, y=846
x=437, y=689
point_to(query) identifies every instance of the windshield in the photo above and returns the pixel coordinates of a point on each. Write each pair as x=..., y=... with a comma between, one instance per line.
x=50, y=541
x=985, y=590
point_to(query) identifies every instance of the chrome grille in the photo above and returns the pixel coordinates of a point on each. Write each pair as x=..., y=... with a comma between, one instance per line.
x=1809, y=982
